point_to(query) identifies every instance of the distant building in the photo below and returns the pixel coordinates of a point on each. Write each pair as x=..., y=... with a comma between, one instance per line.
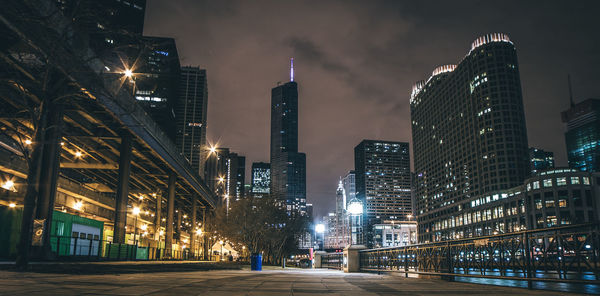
x=395, y=234
x=349, y=184
x=540, y=160
x=261, y=179
x=331, y=239
x=342, y=232
x=239, y=178
x=288, y=166
x=156, y=81
x=551, y=198
x=383, y=182
x=309, y=212
x=191, y=118
x=583, y=135
x=217, y=171
x=469, y=134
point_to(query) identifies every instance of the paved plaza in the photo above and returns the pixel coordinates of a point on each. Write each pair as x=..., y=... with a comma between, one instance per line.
x=271, y=281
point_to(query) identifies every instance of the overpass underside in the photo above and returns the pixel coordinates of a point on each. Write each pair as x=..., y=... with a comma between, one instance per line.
x=73, y=139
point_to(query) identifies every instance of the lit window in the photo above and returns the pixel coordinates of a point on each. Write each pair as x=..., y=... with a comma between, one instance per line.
x=548, y=183
x=561, y=181
x=562, y=203
x=586, y=181
x=549, y=204
x=574, y=180
x=536, y=185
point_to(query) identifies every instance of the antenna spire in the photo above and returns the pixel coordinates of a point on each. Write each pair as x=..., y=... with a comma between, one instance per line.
x=570, y=91
x=292, y=69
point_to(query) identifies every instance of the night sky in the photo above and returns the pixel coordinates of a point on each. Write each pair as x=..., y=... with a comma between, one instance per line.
x=357, y=61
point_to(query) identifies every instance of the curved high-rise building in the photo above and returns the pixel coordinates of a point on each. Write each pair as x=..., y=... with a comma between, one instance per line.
x=469, y=136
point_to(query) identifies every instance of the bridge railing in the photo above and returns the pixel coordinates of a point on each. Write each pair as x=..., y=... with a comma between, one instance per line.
x=560, y=254
x=332, y=260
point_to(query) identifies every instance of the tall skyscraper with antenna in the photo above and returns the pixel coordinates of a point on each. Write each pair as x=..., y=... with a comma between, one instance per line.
x=288, y=166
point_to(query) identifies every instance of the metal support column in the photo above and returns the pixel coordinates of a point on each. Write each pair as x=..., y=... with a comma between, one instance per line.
x=170, y=213
x=50, y=166
x=205, y=236
x=158, y=219
x=122, y=197
x=193, y=234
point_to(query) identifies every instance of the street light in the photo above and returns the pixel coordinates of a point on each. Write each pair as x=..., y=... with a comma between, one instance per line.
x=128, y=73
x=78, y=206
x=9, y=185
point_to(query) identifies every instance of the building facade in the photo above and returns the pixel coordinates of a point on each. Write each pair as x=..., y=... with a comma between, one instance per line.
x=583, y=135
x=395, y=234
x=191, y=118
x=261, y=179
x=551, y=198
x=468, y=130
x=540, y=160
x=383, y=181
x=240, y=178
x=288, y=166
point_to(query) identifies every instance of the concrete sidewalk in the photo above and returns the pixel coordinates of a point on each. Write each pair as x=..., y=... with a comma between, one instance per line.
x=271, y=281
x=121, y=267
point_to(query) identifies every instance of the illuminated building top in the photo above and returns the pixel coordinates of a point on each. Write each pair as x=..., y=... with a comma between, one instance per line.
x=489, y=38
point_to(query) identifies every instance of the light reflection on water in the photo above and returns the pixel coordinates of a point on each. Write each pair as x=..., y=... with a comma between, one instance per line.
x=563, y=287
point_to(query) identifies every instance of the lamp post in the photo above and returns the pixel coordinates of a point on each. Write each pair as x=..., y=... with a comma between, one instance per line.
x=355, y=208
x=320, y=228
x=221, y=242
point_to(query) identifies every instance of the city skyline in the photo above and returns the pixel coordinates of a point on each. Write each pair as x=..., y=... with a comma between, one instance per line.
x=344, y=76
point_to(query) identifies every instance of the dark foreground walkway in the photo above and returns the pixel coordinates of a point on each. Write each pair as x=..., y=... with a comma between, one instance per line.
x=241, y=282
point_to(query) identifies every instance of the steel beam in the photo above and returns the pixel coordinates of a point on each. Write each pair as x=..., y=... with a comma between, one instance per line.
x=122, y=197
x=92, y=166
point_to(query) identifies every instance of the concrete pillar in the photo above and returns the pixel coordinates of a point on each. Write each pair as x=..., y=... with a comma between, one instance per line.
x=170, y=213
x=194, y=225
x=49, y=171
x=351, y=258
x=158, y=217
x=122, y=197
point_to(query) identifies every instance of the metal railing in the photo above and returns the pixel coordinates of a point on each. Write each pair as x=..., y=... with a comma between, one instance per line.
x=66, y=247
x=561, y=254
x=332, y=260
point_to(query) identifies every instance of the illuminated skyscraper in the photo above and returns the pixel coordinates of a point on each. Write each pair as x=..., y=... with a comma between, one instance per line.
x=261, y=179
x=583, y=135
x=191, y=116
x=288, y=166
x=469, y=136
x=383, y=182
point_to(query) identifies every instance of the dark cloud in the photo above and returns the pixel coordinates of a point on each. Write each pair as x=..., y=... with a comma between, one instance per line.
x=356, y=62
